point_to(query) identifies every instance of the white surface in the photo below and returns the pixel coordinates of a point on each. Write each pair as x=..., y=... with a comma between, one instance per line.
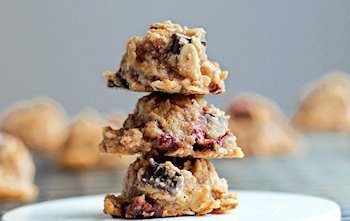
x=262, y=206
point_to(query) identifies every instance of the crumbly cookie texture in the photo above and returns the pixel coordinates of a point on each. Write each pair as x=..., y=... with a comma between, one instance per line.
x=17, y=170
x=170, y=186
x=174, y=125
x=260, y=126
x=40, y=124
x=325, y=105
x=81, y=151
x=170, y=59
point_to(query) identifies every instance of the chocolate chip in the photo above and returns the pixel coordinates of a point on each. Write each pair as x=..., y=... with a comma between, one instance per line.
x=197, y=147
x=157, y=175
x=110, y=83
x=177, y=161
x=121, y=82
x=207, y=144
x=124, y=83
x=176, y=46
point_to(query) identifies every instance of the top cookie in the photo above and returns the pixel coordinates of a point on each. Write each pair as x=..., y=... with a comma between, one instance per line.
x=170, y=59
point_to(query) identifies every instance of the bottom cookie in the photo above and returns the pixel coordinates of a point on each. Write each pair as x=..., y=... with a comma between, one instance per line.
x=170, y=187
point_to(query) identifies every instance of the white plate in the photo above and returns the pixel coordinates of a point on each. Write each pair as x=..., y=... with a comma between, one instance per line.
x=255, y=206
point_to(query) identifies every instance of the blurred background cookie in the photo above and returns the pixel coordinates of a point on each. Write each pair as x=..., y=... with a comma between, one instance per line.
x=260, y=127
x=39, y=123
x=81, y=150
x=325, y=105
x=17, y=170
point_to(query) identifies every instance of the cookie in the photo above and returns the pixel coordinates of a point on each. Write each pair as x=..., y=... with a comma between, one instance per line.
x=80, y=150
x=40, y=124
x=168, y=186
x=170, y=59
x=174, y=125
x=261, y=127
x=325, y=105
x=17, y=170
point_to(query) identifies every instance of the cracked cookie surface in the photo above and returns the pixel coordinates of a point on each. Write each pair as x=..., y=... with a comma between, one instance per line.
x=168, y=186
x=170, y=59
x=173, y=125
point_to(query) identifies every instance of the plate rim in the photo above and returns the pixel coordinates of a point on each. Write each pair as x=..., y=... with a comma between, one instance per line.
x=234, y=191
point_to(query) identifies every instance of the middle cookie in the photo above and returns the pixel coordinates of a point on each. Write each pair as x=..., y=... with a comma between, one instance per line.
x=174, y=125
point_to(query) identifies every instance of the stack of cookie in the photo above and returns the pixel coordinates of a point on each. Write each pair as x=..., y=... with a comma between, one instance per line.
x=173, y=129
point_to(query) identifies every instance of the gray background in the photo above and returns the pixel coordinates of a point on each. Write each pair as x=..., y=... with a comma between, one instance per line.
x=60, y=48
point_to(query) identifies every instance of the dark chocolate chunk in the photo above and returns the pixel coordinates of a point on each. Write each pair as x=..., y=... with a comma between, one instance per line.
x=124, y=83
x=206, y=144
x=110, y=83
x=176, y=46
x=121, y=82
x=157, y=175
x=177, y=161
x=197, y=147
